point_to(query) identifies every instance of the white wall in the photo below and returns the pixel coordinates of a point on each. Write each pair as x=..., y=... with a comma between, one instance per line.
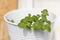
x=22, y=3
x=25, y=3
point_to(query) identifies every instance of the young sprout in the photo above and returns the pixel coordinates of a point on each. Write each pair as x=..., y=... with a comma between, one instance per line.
x=35, y=22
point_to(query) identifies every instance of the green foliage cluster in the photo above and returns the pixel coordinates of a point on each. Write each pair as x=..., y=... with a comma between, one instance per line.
x=37, y=22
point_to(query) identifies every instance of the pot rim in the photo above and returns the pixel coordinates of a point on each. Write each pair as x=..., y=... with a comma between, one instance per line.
x=18, y=10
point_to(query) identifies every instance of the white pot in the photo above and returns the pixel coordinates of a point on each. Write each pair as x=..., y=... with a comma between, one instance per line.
x=17, y=33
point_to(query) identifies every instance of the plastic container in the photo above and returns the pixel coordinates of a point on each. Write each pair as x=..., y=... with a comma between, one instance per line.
x=17, y=33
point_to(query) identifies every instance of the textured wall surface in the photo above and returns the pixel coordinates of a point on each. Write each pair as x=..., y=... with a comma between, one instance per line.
x=5, y=6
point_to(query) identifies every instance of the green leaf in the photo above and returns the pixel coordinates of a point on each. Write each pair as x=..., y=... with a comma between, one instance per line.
x=48, y=27
x=25, y=25
x=29, y=15
x=12, y=21
x=35, y=18
x=22, y=25
x=44, y=12
x=48, y=22
x=28, y=18
x=26, y=22
x=44, y=18
x=38, y=16
x=36, y=26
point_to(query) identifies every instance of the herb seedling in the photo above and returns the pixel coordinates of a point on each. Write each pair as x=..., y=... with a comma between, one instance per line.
x=36, y=23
